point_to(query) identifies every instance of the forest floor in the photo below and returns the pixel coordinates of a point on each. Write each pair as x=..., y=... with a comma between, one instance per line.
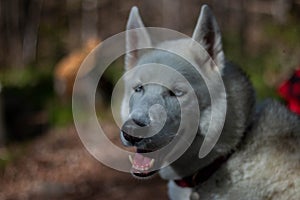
x=57, y=166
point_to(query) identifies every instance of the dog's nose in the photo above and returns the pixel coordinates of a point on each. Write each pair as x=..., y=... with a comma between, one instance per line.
x=139, y=122
x=140, y=118
x=131, y=132
x=130, y=139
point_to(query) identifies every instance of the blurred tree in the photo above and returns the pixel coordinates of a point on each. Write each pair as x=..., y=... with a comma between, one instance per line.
x=2, y=129
x=19, y=22
x=89, y=20
x=11, y=49
x=30, y=36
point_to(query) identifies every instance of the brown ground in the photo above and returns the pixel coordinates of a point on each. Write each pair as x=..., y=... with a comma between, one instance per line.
x=57, y=166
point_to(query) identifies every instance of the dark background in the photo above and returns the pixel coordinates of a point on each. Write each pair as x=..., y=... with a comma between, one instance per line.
x=42, y=44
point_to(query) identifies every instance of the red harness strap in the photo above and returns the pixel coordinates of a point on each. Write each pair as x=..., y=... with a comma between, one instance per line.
x=289, y=90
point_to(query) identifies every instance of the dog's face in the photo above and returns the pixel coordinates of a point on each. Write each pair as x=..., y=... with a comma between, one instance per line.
x=153, y=112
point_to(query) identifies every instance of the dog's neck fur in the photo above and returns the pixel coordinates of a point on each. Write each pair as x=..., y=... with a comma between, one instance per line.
x=238, y=118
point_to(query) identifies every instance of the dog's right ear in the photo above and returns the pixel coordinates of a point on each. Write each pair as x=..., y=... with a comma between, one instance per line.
x=135, y=39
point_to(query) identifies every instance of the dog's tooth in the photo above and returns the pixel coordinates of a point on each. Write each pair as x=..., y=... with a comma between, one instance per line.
x=130, y=159
x=151, y=163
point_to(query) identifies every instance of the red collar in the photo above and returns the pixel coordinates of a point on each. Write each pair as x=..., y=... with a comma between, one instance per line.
x=203, y=174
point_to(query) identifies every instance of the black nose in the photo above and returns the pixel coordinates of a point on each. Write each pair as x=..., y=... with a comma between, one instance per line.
x=140, y=118
x=139, y=122
x=132, y=131
x=131, y=139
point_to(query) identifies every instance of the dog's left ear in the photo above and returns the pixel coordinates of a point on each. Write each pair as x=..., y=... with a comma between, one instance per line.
x=207, y=33
x=136, y=38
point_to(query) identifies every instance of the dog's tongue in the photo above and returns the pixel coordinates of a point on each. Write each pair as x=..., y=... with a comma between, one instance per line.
x=141, y=163
x=141, y=160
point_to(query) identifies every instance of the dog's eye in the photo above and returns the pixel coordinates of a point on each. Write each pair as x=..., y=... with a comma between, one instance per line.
x=138, y=88
x=176, y=93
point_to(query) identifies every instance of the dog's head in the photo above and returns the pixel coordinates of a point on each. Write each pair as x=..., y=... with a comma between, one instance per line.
x=152, y=113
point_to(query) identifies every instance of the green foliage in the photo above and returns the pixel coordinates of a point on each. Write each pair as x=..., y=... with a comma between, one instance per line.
x=60, y=114
x=115, y=71
x=287, y=34
x=5, y=158
x=36, y=86
x=276, y=55
x=23, y=77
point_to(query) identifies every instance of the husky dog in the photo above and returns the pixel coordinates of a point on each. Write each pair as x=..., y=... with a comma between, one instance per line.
x=257, y=154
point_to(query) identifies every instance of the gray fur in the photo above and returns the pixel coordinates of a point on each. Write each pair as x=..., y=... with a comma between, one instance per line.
x=265, y=141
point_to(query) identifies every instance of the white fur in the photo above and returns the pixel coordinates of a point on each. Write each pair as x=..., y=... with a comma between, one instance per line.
x=178, y=193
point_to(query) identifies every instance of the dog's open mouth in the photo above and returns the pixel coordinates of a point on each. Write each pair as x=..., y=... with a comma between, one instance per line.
x=142, y=166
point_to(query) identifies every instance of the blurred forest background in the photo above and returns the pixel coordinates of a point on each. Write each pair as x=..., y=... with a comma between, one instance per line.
x=42, y=44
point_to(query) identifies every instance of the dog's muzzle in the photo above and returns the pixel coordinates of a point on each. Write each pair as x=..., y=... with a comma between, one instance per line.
x=131, y=135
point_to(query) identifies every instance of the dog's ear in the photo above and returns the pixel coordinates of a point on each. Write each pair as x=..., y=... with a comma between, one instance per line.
x=207, y=33
x=136, y=38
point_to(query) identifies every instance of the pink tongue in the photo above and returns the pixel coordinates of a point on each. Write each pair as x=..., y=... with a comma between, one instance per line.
x=141, y=160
